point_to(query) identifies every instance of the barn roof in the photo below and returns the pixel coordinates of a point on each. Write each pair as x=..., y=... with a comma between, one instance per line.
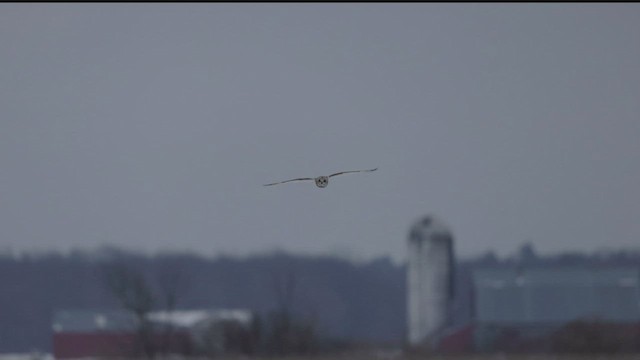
x=92, y=320
x=118, y=320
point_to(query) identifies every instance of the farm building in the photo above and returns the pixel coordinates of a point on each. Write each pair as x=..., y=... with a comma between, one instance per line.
x=538, y=309
x=115, y=333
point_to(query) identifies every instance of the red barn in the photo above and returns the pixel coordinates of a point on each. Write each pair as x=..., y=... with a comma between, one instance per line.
x=113, y=333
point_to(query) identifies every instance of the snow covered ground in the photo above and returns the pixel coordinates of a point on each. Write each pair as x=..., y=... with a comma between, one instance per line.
x=27, y=356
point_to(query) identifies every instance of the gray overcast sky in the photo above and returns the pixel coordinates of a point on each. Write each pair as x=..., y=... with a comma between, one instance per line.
x=154, y=126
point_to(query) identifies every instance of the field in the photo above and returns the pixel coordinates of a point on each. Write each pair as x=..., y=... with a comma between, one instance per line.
x=390, y=356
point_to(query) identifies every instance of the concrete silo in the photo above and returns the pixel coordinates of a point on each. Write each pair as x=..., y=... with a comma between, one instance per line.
x=429, y=280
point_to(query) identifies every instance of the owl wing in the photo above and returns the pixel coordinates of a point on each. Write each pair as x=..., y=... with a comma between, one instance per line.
x=353, y=171
x=286, y=181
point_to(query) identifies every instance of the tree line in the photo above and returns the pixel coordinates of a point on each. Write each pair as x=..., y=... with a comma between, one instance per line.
x=334, y=299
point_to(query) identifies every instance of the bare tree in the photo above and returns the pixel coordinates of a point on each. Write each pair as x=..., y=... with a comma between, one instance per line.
x=284, y=285
x=172, y=283
x=287, y=335
x=134, y=295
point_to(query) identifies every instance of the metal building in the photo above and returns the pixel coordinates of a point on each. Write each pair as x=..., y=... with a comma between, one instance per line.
x=429, y=280
x=535, y=301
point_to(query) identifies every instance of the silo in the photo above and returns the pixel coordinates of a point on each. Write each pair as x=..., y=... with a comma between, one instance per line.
x=429, y=279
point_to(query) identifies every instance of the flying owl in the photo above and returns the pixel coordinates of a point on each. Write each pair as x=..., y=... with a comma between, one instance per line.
x=321, y=181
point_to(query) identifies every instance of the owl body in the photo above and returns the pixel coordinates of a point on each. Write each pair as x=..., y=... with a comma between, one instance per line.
x=322, y=181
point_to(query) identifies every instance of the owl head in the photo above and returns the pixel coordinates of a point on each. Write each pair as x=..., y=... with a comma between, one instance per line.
x=322, y=181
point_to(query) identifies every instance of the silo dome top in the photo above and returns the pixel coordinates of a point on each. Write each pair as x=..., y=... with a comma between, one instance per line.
x=429, y=226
